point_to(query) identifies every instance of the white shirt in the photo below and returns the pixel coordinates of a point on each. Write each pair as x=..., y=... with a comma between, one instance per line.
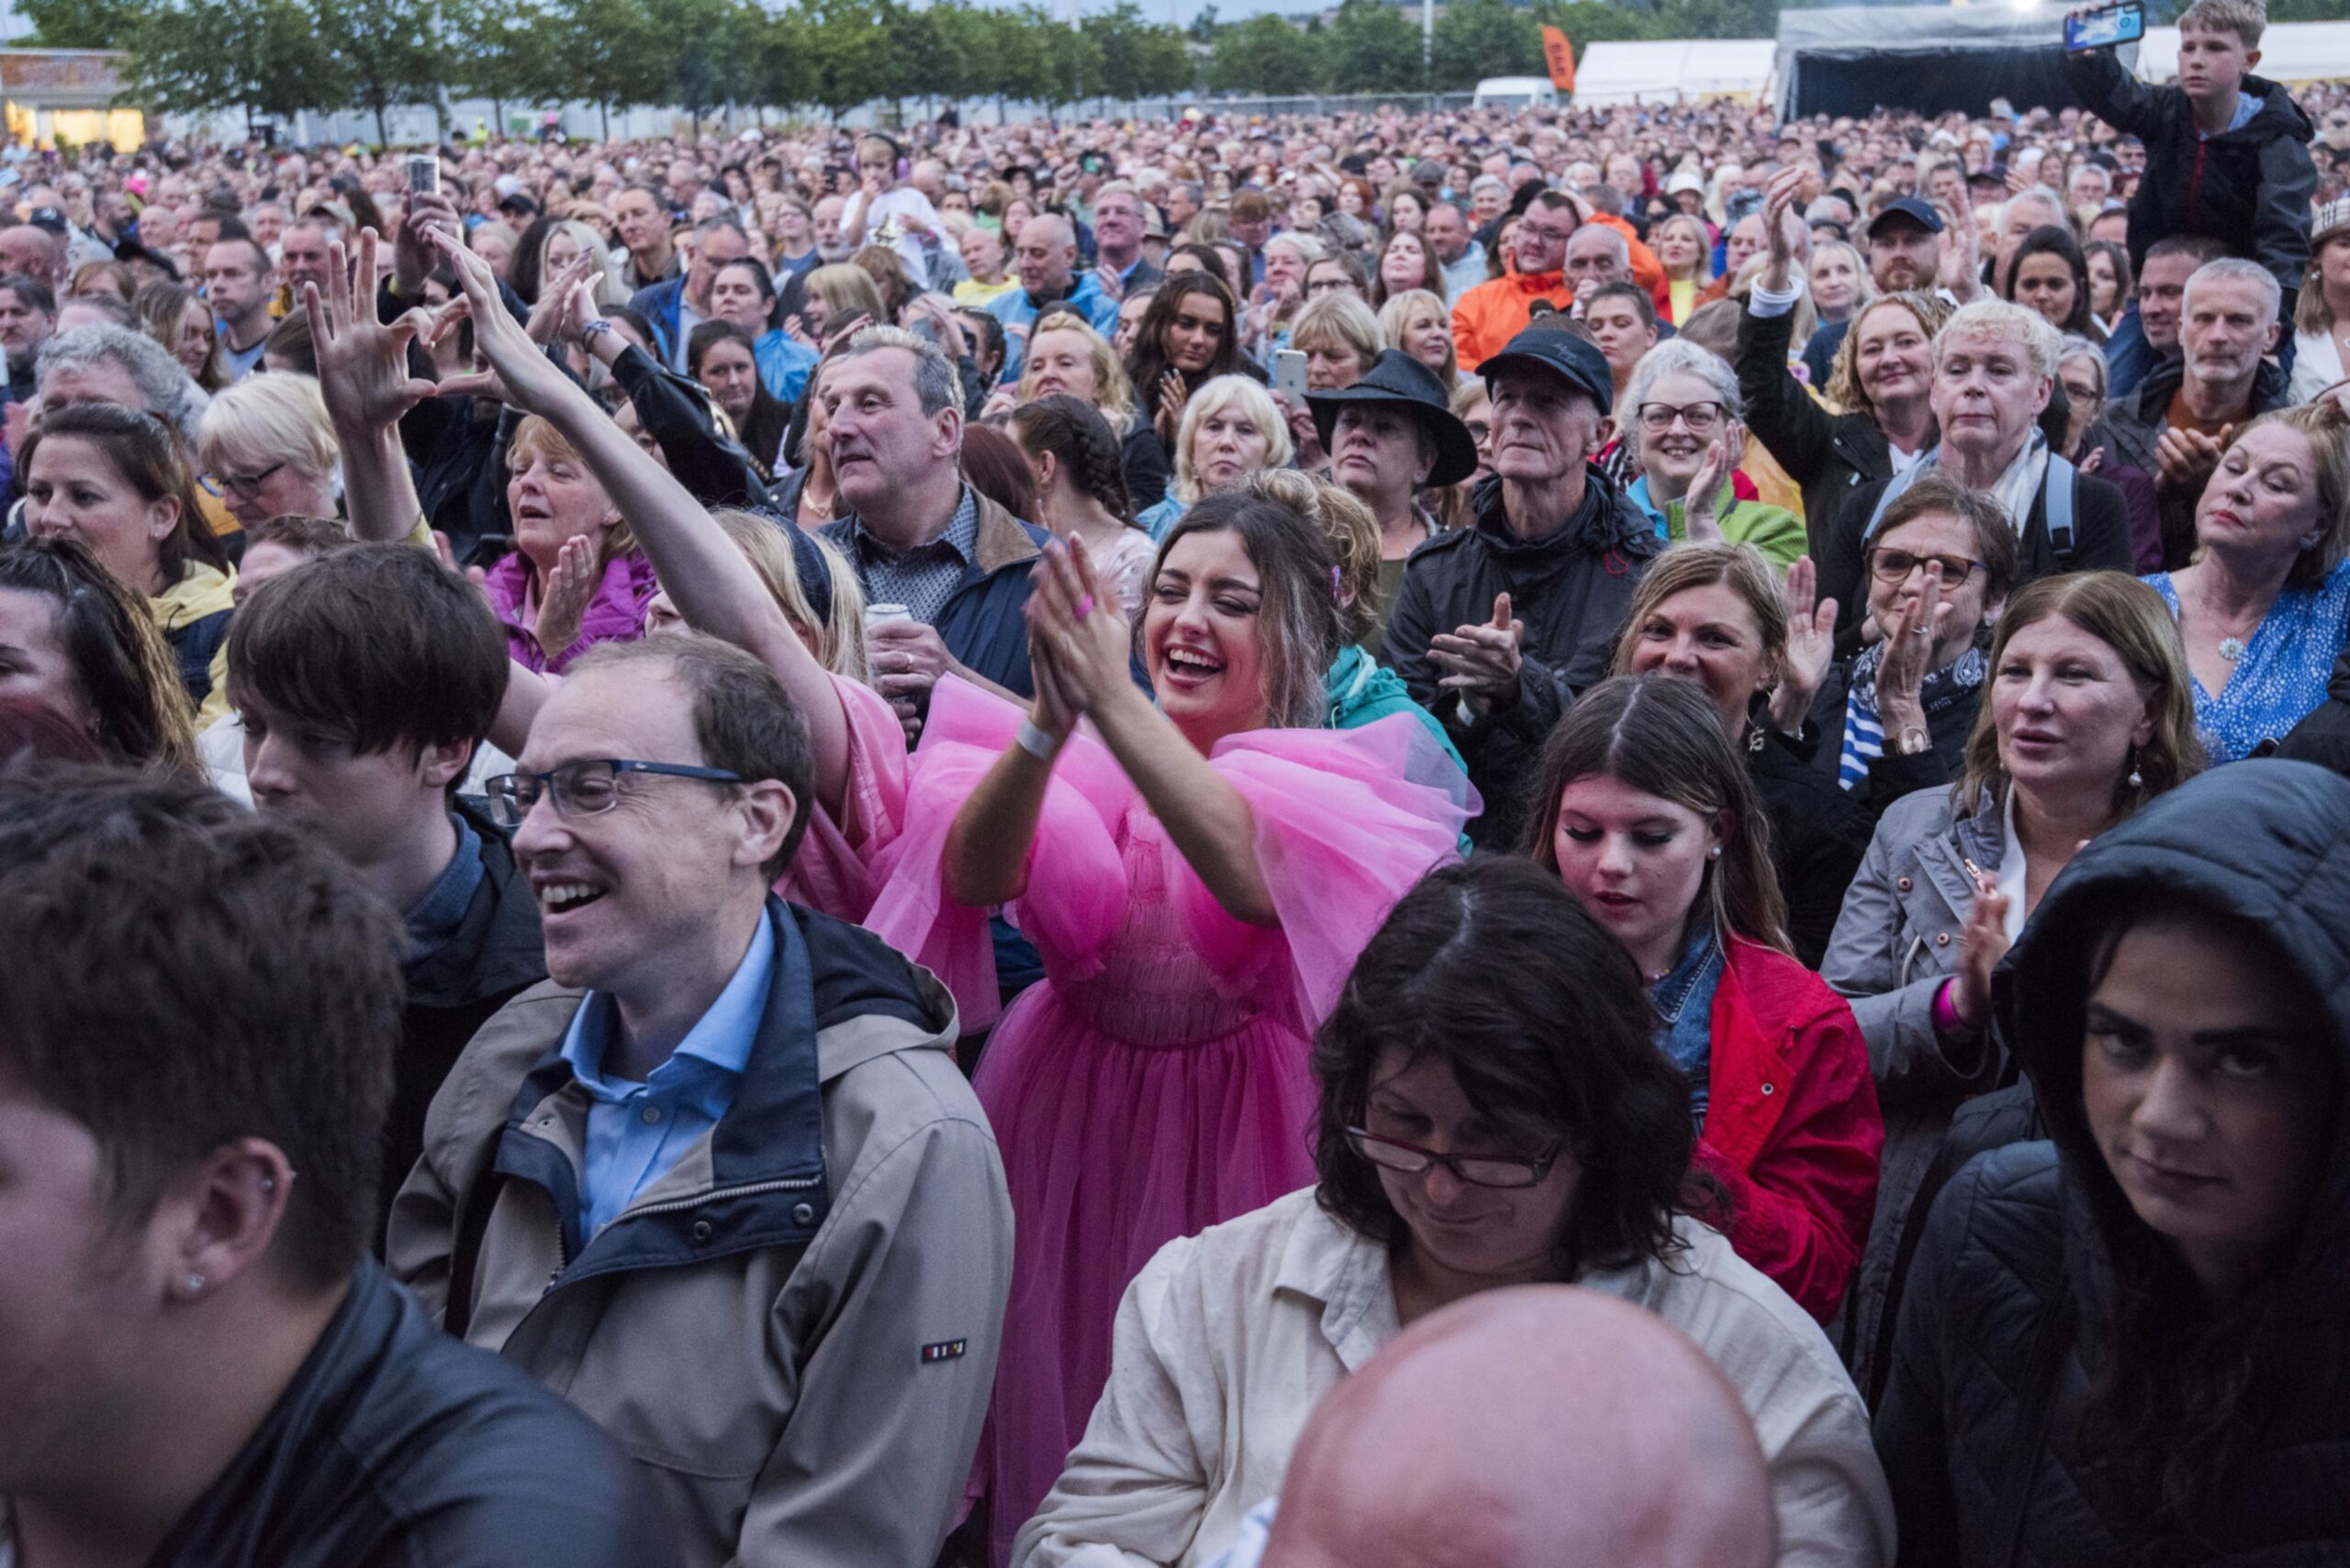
x=2012, y=872
x=1225, y=1340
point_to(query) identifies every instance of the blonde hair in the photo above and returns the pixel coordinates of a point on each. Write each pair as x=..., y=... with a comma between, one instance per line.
x=1844, y=390
x=1704, y=273
x=265, y=421
x=1215, y=397
x=2001, y=319
x=1353, y=532
x=535, y=437
x=1337, y=321
x=1113, y=393
x=2327, y=430
x=844, y=285
x=607, y=290
x=1741, y=569
x=1395, y=315
x=838, y=643
x=2131, y=618
x=2246, y=19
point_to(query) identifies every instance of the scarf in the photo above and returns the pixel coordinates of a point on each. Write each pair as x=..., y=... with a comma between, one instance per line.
x=1864, y=732
x=2014, y=490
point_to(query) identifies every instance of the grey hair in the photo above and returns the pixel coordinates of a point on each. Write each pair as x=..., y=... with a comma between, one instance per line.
x=2236, y=269
x=165, y=390
x=1614, y=241
x=1676, y=356
x=2042, y=344
x=935, y=384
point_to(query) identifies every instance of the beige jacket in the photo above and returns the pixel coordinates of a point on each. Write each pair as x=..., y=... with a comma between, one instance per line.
x=1225, y=1340
x=801, y=1364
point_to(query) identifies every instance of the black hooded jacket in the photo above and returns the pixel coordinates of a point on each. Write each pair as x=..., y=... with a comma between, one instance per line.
x=1572, y=588
x=1976, y=1430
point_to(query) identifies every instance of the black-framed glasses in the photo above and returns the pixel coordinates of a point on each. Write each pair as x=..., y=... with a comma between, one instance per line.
x=1477, y=1169
x=582, y=789
x=1895, y=566
x=1657, y=418
x=246, y=486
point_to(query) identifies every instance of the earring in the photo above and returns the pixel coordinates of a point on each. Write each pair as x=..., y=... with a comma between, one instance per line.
x=1714, y=853
x=2137, y=779
x=195, y=1283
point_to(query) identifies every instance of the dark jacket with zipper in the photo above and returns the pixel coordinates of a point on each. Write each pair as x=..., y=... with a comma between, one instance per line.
x=496, y=954
x=1573, y=588
x=2248, y=188
x=395, y=1447
x=985, y=621
x=2134, y=424
x=1818, y=835
x=1831, y=455
x=794, y=1329
x=2008, y=1320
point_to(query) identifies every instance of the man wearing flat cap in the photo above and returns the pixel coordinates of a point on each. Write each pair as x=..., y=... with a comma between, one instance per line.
x=1498, y=625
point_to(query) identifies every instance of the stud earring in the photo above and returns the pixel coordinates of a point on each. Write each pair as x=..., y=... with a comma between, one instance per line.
x=195, y=1283
x=1714, y=853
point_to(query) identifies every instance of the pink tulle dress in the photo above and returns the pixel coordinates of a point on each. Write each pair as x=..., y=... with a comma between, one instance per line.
x=831, y=870
x=1157, y=1082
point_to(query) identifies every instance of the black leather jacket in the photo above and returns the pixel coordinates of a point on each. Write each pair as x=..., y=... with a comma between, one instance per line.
x=395, y=1444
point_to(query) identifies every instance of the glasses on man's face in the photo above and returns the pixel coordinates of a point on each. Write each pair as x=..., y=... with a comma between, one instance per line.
x=582, y=789
x=1477, y=1169
x=1895, y=566
x=1701, y=418
x=244, y=486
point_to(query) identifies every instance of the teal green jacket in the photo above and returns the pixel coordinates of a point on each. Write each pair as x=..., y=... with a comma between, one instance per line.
x=1774, y=530
x=1362, y=692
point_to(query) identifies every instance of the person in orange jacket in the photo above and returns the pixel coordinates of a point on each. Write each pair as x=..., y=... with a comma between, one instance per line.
x=1494, y=312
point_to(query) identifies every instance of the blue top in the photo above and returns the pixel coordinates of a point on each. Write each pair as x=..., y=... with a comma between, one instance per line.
x=1684, y=1000
x=2281, y=677
x=1159, y=517
x=1361, y=692
x=438, y=914
x=1014, y=308
x=784, y=364
x=637, y=1131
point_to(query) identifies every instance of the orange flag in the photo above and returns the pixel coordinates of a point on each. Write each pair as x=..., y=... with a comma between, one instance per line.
x=1559, y=55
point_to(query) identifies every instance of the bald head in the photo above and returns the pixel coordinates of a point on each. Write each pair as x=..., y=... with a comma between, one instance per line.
x=33, y=252
x=1597, y=255
x=1542, y=1427
x=1044, y=254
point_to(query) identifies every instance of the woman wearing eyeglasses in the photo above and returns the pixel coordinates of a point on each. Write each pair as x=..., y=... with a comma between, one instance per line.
x=2086, y=715
x=268, y=450
x=1494, y=1113
x=1683, y=440
x=1894, y=718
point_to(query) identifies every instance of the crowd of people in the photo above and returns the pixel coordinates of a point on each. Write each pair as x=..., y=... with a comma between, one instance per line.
x=1051, y=845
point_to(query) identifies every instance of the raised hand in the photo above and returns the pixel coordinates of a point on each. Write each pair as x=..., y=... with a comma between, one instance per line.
x=1778, y=196
x=363, y=363
x=1911, y=638
x=550, y=315
x=1480, y=663
x=1090, y=637
x=429, y=212
x=564, y=595
x=1721, y=457
x=516, y=372
x=1811, y=647
x=1981, y=946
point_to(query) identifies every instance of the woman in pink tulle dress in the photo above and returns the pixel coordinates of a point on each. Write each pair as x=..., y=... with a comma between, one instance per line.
x=1199, y=875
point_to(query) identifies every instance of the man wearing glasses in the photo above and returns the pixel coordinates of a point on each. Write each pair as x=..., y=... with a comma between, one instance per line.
x=1491, y=314
x=719, y=1182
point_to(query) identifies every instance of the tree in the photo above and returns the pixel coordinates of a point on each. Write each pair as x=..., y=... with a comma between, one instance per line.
x=1139, y=58
x=1371, y=47
x=1476, y=38
x=506, y=51
x=1264, y=55
x=606, y=54
x=848, y=52
x=262, y=56
x=81, y=24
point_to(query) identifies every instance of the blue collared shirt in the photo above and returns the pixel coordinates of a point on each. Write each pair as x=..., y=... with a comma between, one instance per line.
x=637, y=1131
x=438, y=915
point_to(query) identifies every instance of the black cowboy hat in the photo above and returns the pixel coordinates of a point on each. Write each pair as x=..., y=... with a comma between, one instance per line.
x=1397, y=380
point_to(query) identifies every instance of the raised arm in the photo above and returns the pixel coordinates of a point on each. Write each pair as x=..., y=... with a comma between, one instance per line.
x=362, y=375
x=712, y=584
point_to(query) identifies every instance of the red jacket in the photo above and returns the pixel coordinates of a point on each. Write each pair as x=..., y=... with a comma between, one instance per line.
x=1792, y=1126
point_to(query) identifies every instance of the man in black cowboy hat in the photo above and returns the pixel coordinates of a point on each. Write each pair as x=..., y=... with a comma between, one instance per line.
x=1387, y=435
x=1500, y=625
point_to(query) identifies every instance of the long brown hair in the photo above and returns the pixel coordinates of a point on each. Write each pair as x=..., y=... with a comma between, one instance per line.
x=1660, y=736
x=148, y=457
x=121, y=661
x=1297, y=617
x=2130, y=618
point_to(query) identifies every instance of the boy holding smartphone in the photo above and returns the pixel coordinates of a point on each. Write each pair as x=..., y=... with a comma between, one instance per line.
x=2227, y=156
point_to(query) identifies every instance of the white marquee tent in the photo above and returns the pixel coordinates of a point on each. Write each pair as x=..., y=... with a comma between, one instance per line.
x=1668, y=71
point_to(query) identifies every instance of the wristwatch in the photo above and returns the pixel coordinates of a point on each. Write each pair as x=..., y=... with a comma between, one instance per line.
x=1912, y=739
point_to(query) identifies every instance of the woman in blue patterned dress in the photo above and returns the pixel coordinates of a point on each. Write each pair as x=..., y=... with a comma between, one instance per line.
x=2264, y=606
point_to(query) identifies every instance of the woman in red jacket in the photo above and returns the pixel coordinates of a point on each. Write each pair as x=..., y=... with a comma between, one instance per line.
x=1646, y=815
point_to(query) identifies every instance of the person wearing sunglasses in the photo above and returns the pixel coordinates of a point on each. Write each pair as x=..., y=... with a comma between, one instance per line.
x=1493, y=1111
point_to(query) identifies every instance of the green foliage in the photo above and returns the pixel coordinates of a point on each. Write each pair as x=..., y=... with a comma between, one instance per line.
x=1476, y=38
x=81, y=24
x=1266, y=56
x=1373, y=47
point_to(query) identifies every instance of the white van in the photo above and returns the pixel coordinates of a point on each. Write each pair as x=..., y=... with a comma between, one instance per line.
x=1517, y=93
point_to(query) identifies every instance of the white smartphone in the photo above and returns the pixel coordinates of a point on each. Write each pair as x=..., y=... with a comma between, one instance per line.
x=1288, y=372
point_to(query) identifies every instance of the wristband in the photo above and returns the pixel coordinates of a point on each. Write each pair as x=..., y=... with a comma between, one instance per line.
x=1035, y=742
x=1946, y=1019
x=595, y=329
